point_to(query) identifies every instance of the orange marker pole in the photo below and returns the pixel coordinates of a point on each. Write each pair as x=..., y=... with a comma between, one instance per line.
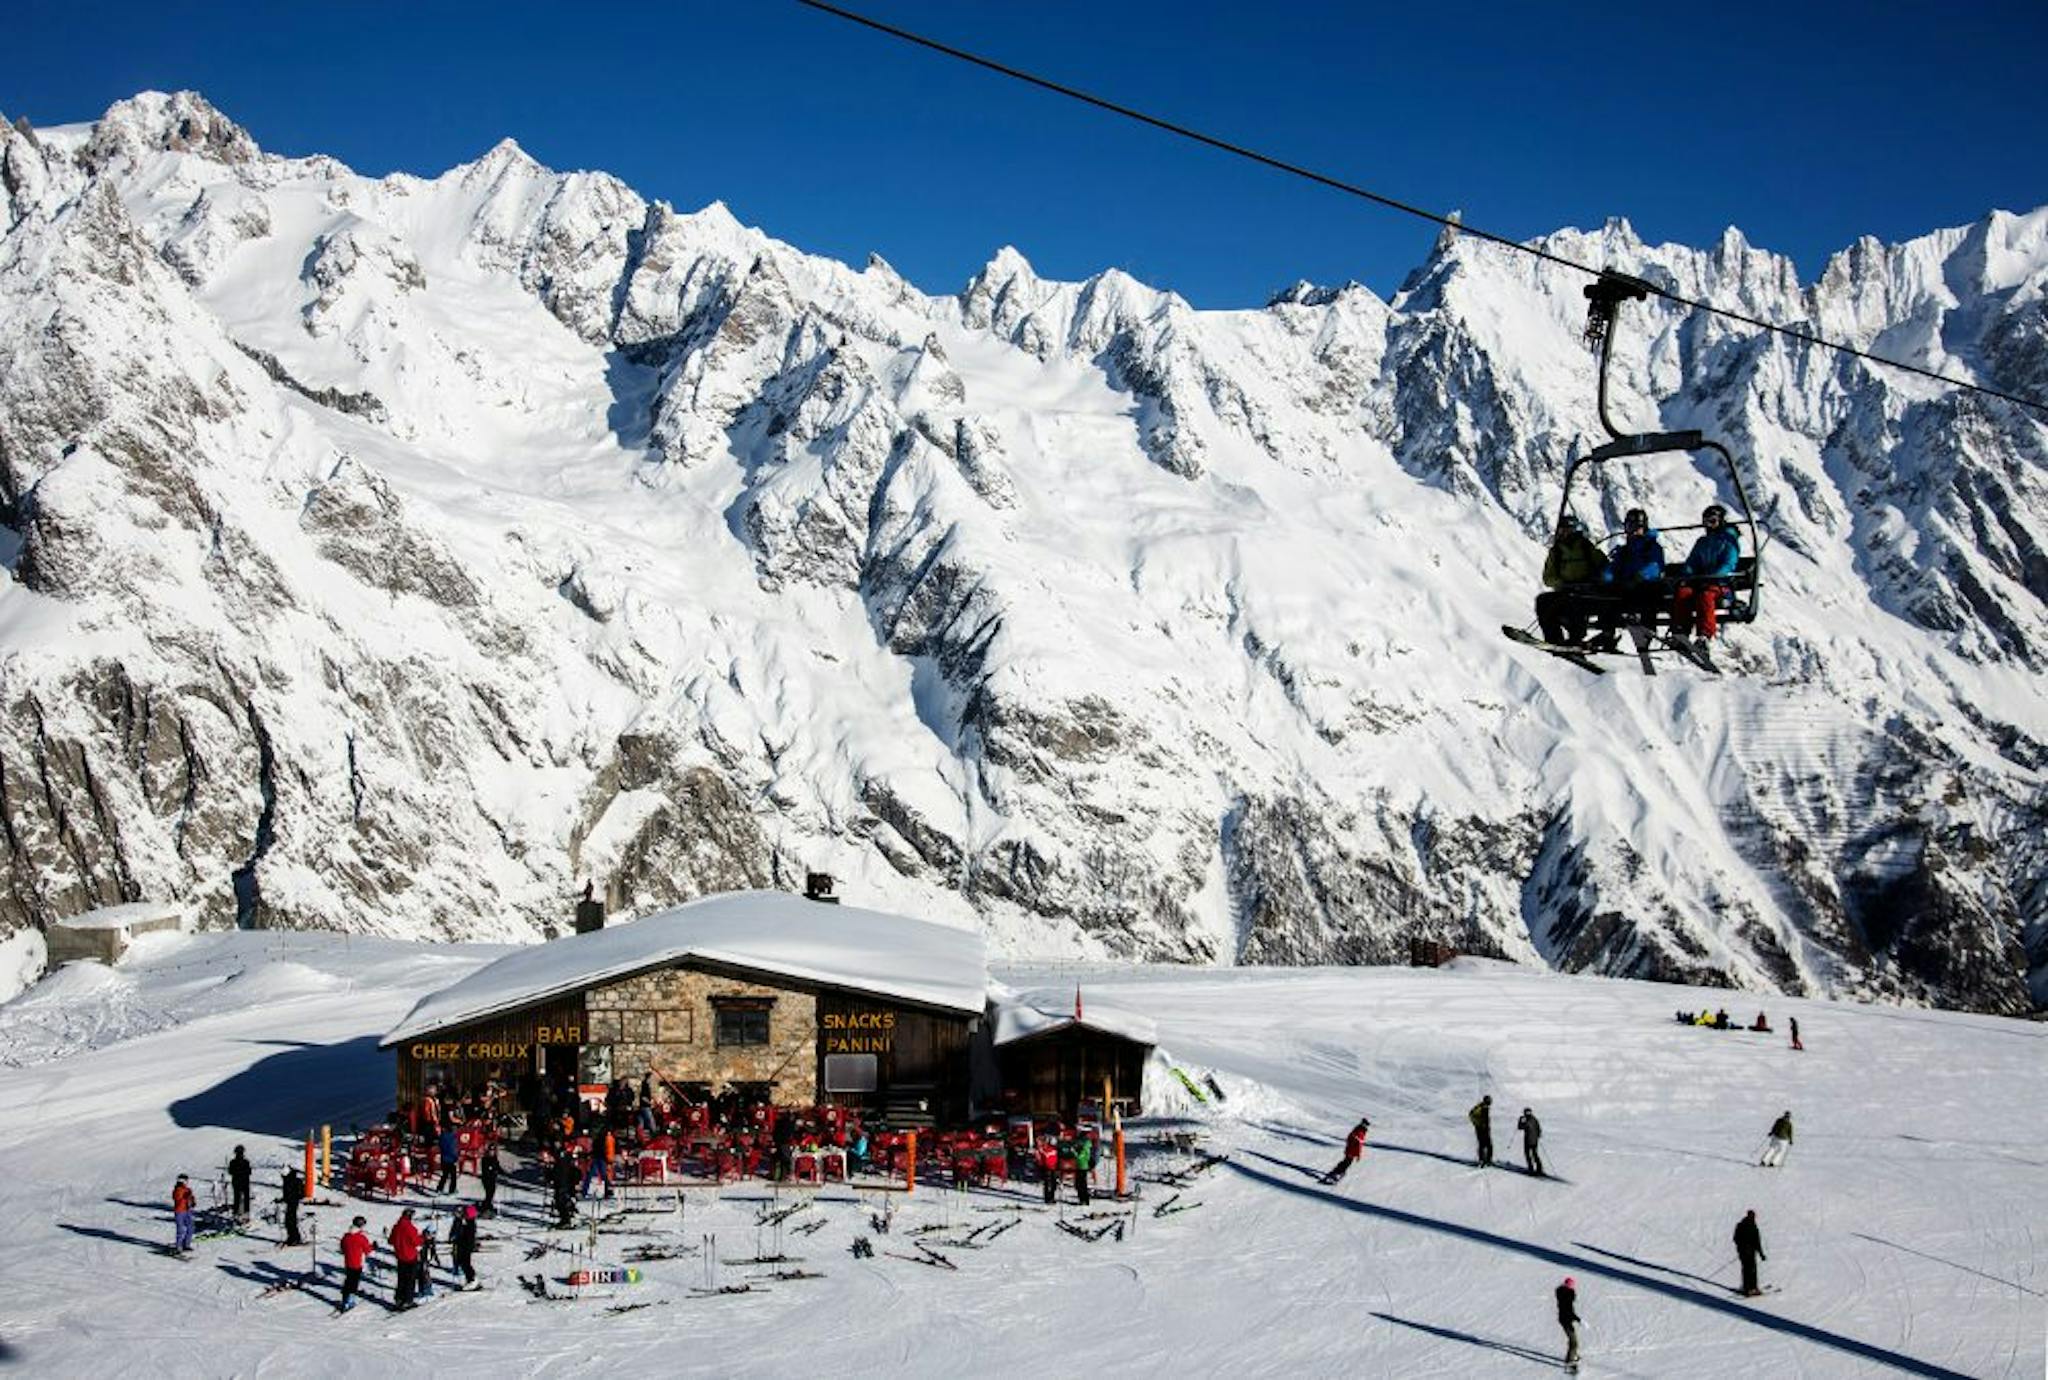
x=1123, y=1187
x=910, y=1163
x=308, y=1190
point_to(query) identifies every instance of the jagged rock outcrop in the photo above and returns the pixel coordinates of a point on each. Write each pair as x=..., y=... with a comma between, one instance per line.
x=397, y=555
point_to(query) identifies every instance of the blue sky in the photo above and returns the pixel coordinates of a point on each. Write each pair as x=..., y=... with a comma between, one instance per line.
x=1805, y=124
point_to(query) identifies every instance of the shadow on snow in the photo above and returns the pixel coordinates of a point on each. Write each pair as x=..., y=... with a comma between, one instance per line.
x=1581, y=1264
x=297, y=1089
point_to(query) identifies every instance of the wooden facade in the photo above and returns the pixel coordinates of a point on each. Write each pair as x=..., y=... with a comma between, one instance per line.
x=520, y=1049
x=1052, y=1074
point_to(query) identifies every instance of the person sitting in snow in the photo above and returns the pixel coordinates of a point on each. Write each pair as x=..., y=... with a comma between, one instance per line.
x=1762, y=1023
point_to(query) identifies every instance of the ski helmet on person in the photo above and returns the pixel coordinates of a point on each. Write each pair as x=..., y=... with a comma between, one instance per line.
x=1714, y=512
x=1570, y=1283
x=358, y=1222
x=1635, y=517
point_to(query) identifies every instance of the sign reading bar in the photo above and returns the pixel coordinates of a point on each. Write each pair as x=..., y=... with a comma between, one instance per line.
x=442, y=1050
x=858, y=1032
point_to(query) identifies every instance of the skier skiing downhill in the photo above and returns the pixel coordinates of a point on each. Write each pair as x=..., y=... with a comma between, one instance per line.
x=1532, y=1132
x=1781, y=1141
x=1481, y=1117
x=355, y=1251
x=1354, y=1147
x=1568, y=1319
x=1749, y=1247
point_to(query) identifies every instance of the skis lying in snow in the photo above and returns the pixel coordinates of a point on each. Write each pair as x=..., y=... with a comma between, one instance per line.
x=1189, y=1084
x=1575, y=655
x=641, y=1255
x=1173, y=1205
x=925, y=1256
x=1093, y=1234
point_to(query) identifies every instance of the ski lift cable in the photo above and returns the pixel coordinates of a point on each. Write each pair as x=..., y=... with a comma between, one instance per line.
x=1395, y=204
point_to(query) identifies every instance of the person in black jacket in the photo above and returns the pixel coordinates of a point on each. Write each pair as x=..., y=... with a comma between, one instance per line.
x=565, y=1189
x=1532, y=1132
x=1481, y=1117
x=488, y=1170
x=1749, y=1246
x=294, y=1193
x=463, y=1240
x=240, y=1172
x=1568, y=1319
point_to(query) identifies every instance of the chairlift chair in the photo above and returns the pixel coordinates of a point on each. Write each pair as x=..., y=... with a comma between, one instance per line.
x=1648, y=625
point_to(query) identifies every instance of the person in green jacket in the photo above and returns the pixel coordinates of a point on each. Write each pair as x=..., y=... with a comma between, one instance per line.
x=1084, y=1162
x=1781, y=1141
x=1574, y=561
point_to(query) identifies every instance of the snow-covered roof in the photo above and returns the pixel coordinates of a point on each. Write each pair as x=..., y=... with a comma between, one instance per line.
x=1019, y=1017
x=115, y=917
x=769, y=932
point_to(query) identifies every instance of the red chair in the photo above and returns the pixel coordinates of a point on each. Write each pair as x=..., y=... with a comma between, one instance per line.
x=804, y=1165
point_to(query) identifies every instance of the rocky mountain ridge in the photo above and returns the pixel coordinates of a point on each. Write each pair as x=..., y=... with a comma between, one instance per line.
x=395, y=555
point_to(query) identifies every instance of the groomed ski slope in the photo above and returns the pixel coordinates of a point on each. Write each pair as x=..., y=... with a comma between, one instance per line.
x=1902, y=1230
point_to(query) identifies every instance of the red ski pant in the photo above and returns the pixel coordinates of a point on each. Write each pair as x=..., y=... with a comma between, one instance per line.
x=1701, y=600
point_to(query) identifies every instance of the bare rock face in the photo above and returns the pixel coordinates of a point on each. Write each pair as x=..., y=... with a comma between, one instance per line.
x=400, y=555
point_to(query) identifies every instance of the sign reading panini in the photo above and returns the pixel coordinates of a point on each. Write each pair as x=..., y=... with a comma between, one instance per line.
x=858, y=1032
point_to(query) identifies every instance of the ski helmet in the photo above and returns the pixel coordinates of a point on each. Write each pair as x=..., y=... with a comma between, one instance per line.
x=1635, y=517
x=1714, y=513
x=1570, y=1283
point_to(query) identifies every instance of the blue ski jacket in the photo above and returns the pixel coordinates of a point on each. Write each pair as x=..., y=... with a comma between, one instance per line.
x=1638, y=558
x=1715, y=553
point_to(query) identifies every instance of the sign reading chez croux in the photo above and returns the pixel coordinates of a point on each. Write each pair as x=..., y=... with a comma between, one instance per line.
x=858, y=1032
x=440, y=1051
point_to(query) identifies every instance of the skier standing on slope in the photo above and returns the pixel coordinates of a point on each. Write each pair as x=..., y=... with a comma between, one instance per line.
x=355, y=1251
x=1795, y=1034
x=1482, y=1125
x=183, y=1205
x=565, y=1188
x=1049, y=1168
x=1532, y=1132
x=1354, y=1147
x=1749, y=1247
x=1084, y=1166
x=1568, y=1319
x=463, y=1239
x=294, y=1193
x=1781, y=1141
x=488, y=1170
x=240, y=1172
x=450, y=1147
x=405, y=1249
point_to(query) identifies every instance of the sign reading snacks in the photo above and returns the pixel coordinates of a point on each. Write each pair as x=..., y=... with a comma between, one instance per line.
x=441, y=1050
x=858, y=1032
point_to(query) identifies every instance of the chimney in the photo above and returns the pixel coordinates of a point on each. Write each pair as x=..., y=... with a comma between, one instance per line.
x=589, y=912
x=818, y=887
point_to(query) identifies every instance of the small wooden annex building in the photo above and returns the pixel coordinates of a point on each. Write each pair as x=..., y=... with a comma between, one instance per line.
x=762, y=993
x=1053, y=1054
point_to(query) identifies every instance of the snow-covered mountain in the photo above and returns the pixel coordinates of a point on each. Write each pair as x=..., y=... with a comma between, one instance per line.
x=394, y=555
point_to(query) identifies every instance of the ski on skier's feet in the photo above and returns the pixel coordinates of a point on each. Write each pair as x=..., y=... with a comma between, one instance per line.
x=1577, y=656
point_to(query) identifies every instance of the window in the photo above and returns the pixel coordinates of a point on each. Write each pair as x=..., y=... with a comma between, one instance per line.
x=850, y=1073
x=741, y=1022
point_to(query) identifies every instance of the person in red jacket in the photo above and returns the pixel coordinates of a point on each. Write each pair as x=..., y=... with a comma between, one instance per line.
x=405, y=1249
x=355, y=1250
x=1354, y=1146
x=183, y=1205
x=1048, y=1153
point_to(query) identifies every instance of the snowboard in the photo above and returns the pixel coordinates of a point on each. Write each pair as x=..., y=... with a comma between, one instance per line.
x=1577, y=656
